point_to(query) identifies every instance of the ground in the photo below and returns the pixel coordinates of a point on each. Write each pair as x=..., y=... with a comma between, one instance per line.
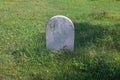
x=23, y=55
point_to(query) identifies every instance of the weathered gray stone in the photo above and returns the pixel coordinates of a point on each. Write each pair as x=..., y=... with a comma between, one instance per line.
x=60, y=33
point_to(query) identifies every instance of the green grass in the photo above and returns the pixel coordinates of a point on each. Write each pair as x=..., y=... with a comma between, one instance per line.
x=23, y=55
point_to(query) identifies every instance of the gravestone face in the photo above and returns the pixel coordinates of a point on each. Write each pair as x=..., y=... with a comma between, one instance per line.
x=60, y=34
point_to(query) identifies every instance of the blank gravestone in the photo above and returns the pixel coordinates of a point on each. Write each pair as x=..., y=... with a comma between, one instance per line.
x=60, y=34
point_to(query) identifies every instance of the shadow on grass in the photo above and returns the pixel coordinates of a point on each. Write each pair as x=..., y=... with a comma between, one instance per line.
x=85, y=34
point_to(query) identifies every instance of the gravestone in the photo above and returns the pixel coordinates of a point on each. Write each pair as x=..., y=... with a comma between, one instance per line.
x=60, y=33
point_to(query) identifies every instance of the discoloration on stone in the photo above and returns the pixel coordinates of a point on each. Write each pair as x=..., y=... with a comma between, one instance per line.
x=60, y=33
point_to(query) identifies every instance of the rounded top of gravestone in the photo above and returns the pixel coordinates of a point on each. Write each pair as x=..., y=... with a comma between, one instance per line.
x=62, y=18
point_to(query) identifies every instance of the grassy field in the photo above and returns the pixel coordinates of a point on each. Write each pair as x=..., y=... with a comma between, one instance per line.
x=23, y=55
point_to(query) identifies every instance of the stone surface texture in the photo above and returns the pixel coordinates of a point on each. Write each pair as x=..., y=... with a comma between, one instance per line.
x=60, y=33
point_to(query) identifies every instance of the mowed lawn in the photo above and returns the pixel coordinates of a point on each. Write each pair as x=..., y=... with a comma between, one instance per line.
x=23, y=54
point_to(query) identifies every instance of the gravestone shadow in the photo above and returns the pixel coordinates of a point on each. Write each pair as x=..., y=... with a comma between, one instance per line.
x=86, y=33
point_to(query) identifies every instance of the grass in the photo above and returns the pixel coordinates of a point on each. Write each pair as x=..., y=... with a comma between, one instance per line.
x=23, y=55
